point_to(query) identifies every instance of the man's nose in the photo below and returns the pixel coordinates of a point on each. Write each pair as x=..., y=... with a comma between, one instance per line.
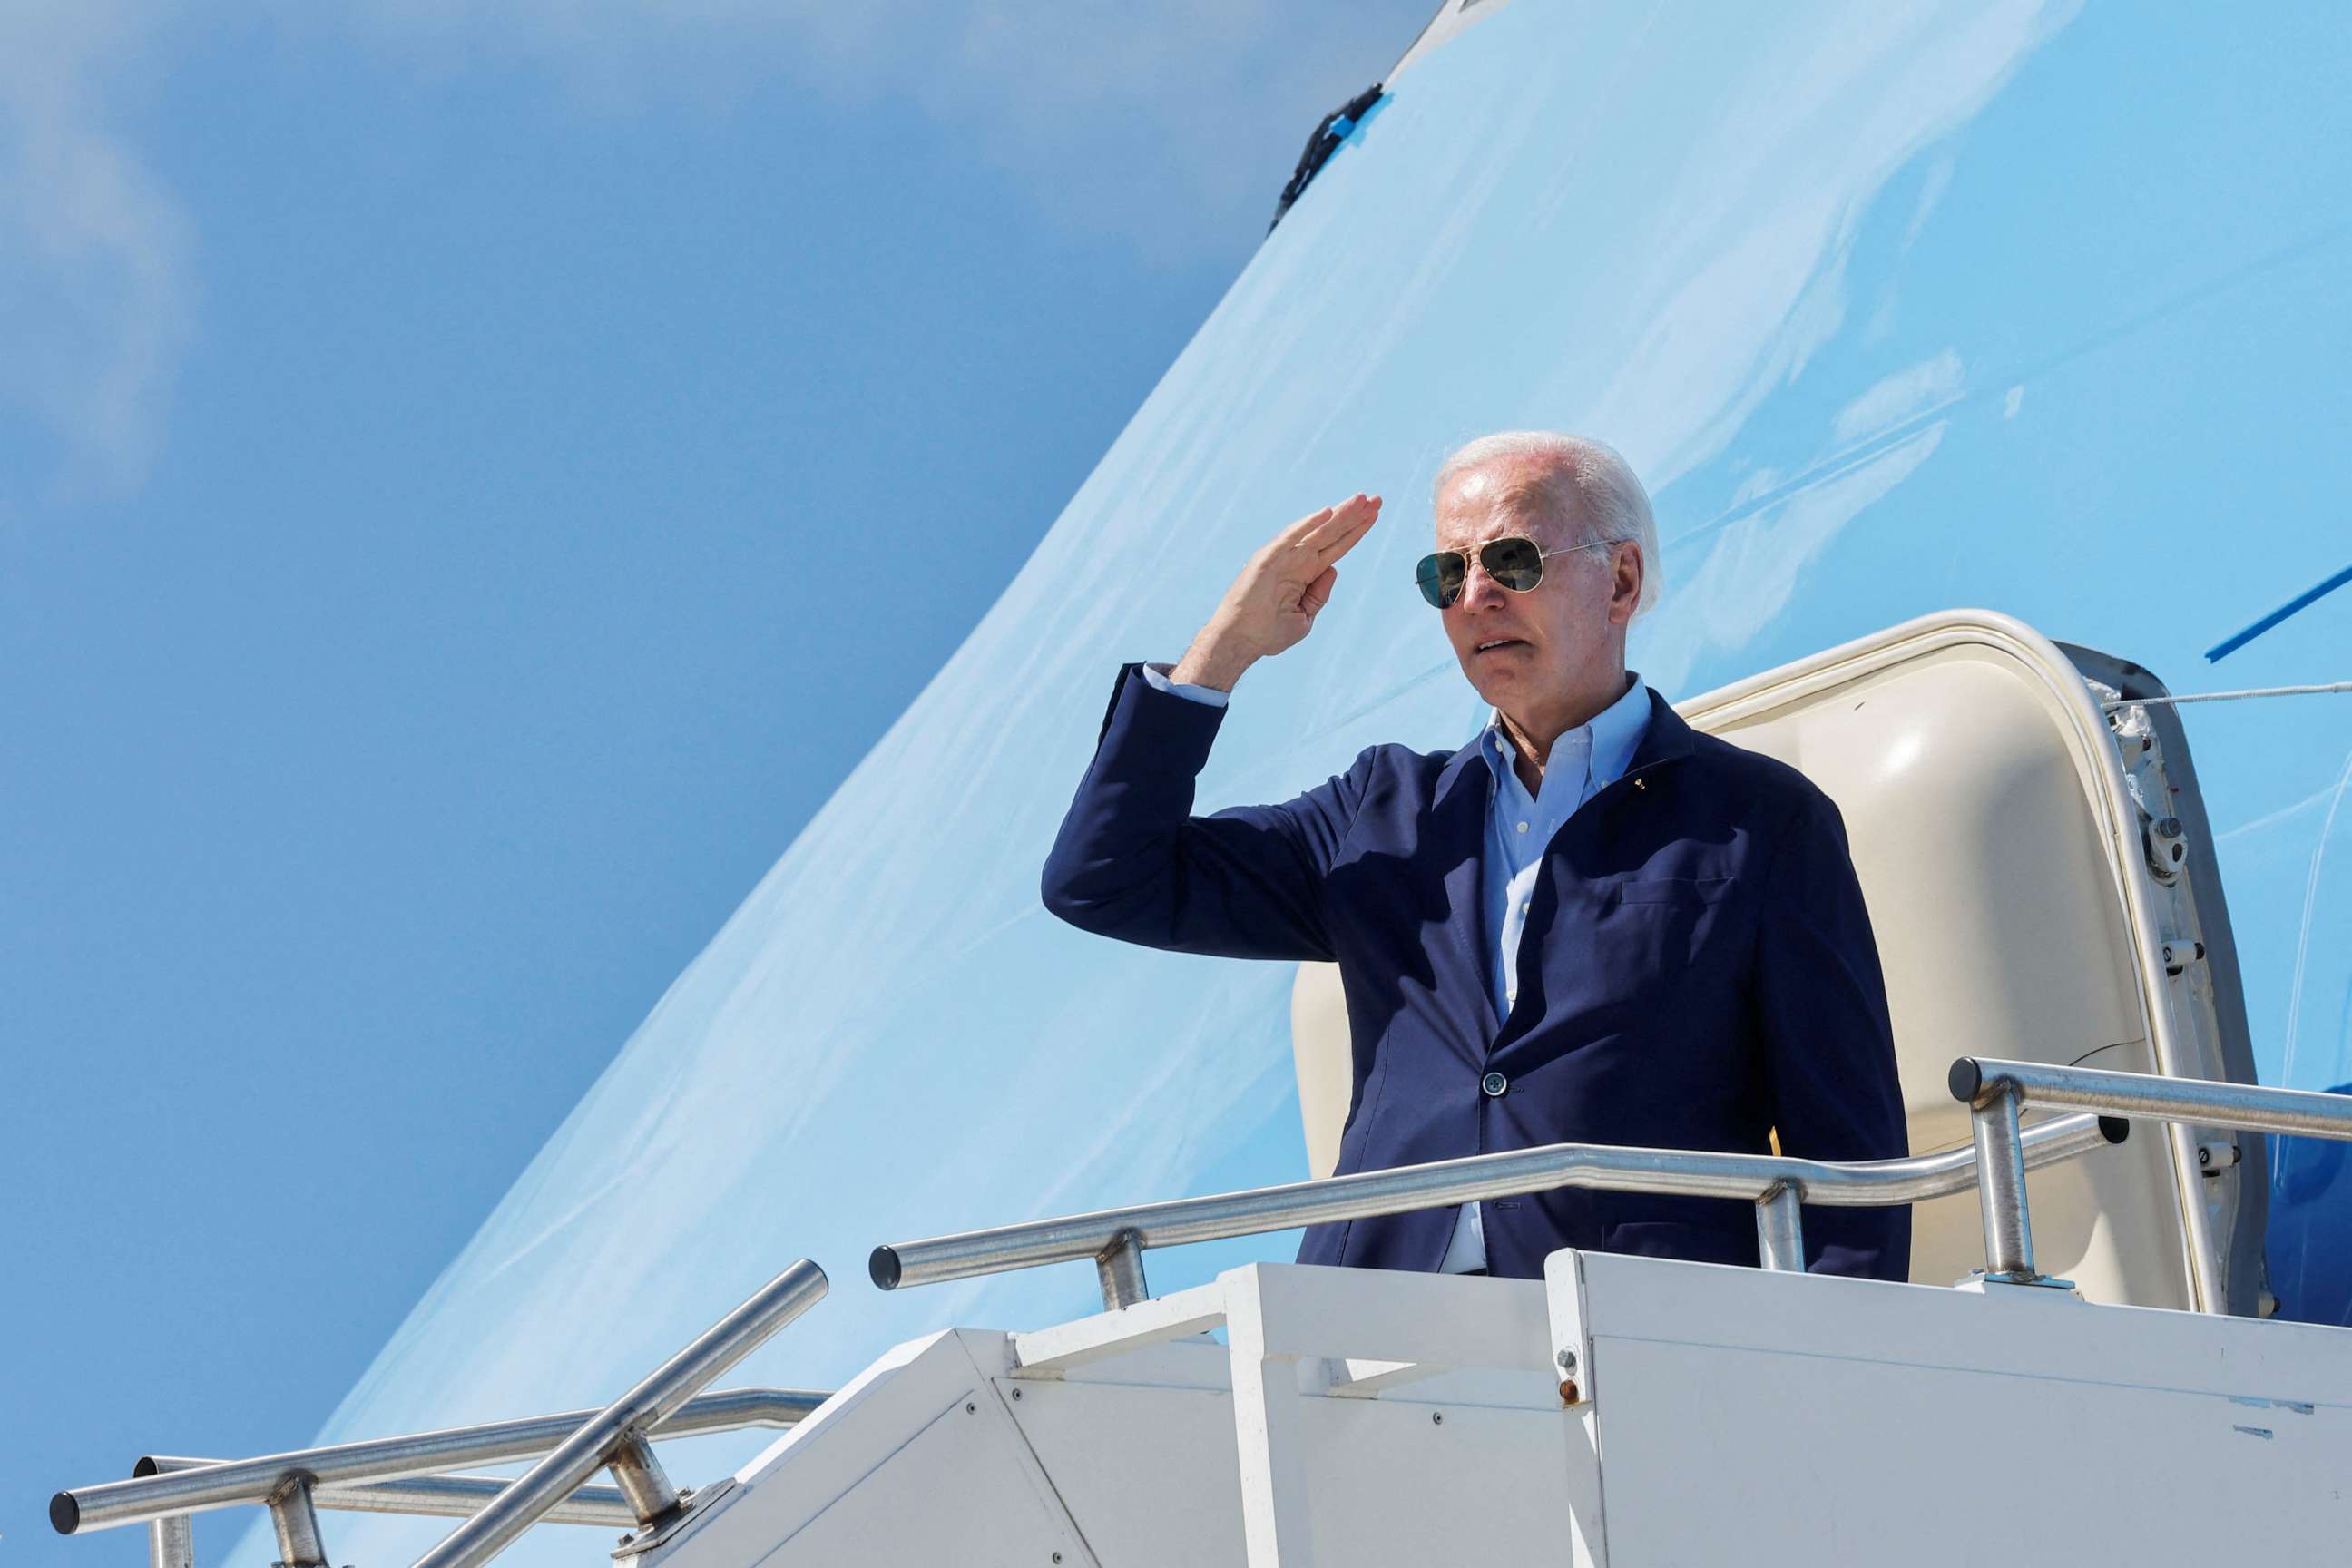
x=1479, y=591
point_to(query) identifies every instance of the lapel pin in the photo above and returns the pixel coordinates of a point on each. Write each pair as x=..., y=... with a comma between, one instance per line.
x=1639, y=784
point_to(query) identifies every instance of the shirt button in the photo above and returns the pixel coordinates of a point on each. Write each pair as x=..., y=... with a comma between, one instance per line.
x=1523, y=827
x=1527, y=905
x=1495, y=1083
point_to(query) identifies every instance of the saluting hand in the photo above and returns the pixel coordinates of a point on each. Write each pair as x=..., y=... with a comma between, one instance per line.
x=1272, y=605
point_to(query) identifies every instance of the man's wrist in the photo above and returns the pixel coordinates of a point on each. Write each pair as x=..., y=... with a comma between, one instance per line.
x=1211, y=664
x=1161, y=676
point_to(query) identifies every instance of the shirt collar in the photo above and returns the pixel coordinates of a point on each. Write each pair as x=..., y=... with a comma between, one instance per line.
x=1611, y=735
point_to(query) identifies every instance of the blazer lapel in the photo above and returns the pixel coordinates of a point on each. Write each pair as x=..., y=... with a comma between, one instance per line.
x=1665, y=739
x=1456, y=840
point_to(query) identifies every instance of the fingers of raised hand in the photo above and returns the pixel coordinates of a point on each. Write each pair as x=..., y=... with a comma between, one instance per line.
x=1349, y=521
x=1306, y=525
x=1334, y=531
x=1318, y=526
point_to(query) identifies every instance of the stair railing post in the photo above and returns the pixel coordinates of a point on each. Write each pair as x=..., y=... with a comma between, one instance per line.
x=1781, y=1229
x=2000, y=1186
x=1119, y=1268
x=172, y=1541
x=296, y=1523
x=653, y=1498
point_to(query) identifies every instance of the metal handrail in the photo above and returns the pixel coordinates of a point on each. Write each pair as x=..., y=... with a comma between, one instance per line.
x=2209, y=1102
x=576, y=1446
x=1115, y=1239
x=1997, y=1091
x=157, y=1489
x=439, y=1496
x=617, y=1438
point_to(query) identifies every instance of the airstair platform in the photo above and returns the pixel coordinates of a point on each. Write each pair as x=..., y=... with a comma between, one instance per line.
x=1625, y=1411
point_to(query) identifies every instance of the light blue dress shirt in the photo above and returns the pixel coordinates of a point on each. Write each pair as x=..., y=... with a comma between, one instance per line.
x=1520, y=828
x=1158, y=676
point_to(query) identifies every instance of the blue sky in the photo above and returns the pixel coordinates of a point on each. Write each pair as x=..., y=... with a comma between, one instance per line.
x=472, y=483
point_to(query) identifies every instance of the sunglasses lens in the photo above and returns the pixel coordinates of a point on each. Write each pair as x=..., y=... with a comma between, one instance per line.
x=1516, y=563
x=1439, y=577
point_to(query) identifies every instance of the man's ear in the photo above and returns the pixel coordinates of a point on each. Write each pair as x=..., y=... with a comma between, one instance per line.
x=1625, y=587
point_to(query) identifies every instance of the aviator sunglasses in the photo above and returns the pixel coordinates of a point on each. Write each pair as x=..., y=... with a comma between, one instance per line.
x=1515, y=562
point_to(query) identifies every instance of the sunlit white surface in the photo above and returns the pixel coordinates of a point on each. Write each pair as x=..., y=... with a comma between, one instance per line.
x=1828, y=1416
x=1894, y=308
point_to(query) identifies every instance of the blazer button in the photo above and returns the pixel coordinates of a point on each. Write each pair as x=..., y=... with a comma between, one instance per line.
x=1495, y=1083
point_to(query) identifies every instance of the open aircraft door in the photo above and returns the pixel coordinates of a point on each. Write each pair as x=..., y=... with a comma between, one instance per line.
x=2043, y=886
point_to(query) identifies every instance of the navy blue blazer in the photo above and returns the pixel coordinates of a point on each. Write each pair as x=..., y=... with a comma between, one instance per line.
x=1697, y=971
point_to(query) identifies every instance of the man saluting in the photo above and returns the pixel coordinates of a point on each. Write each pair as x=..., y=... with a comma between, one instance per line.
x=1592, y=924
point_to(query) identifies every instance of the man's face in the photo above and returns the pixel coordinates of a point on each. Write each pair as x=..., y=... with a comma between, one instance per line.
x=1529, y=654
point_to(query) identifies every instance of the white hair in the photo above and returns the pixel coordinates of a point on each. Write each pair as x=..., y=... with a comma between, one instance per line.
x=1582, y=487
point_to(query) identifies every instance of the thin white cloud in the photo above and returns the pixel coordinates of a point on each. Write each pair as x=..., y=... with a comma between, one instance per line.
x=95, y=291
x=1752, y=569
x=2270, y=819
x=1908, y=393
x=1729, y=294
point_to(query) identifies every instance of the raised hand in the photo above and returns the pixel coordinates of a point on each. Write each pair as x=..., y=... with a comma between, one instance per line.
x=1272, y=605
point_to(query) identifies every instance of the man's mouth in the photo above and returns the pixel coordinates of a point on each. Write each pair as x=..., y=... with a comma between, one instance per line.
x=1491, y=644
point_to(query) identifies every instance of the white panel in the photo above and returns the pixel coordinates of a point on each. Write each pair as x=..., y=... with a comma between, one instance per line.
x=853, y=1445
x=1147, y=1473
x=1410, y=1483
x=1840, y=1420
x=1807, y=1458
x=850, y=1436
x=2033, y=1332
x=1066, y=1347
x=1395, y=1315
x=957, y=1494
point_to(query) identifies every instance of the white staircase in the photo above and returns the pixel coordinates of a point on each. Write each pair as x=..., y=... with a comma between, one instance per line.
x=1623, y=1411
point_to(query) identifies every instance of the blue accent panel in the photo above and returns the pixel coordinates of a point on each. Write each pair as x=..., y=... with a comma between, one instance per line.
x=2311, y=1228
x=2301, y=602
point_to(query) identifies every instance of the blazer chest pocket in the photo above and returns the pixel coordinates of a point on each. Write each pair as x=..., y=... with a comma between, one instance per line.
x=1653, y=936
x=1691, y=892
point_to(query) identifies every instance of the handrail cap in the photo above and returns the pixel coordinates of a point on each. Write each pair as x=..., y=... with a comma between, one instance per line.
x=1966, y=1079
x=884, y=1266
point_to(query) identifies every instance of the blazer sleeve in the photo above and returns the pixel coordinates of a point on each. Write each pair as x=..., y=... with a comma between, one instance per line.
x=1829, y=1047
x=1132, y=862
